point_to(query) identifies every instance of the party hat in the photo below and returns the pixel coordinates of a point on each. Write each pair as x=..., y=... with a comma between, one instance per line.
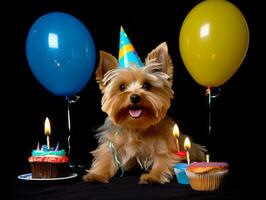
x=127, y=53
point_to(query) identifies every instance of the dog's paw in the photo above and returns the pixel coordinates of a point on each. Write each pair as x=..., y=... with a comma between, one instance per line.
x=92, y=178
x=148, y=179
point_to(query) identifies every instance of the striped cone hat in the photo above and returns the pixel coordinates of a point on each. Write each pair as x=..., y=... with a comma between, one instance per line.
x=127, y=53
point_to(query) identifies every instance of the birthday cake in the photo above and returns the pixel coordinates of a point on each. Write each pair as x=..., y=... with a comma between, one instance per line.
x=207, y=176
x=48, y=162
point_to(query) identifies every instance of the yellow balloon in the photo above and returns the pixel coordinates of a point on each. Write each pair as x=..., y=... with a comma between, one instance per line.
x=213, y=42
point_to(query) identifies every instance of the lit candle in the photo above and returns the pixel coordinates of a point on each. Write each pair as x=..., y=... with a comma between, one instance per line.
x=187, y=146
x=47, y=131
x=207, y=158
x=176, y=134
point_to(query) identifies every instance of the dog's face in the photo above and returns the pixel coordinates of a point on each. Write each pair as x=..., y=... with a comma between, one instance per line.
x=136, y=97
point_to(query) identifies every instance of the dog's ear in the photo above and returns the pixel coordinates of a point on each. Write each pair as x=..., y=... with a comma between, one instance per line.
x=160, y=55
x=107, y=62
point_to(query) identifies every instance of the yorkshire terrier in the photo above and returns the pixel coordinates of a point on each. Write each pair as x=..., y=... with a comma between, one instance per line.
x=137, y=130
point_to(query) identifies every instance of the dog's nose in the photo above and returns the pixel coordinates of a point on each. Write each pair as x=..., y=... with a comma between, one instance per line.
x=134, y=98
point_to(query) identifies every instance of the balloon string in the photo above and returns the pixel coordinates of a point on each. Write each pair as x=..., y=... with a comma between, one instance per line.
x=210, y=113
x=69, y=100
x=210, y=97
x=68, y=118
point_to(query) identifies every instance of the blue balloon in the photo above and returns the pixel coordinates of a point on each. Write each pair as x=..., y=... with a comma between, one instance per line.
x=61, y=53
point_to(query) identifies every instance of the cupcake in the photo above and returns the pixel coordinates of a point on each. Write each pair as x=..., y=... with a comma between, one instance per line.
x=48, y=162
x=180, y=172
x=207, y=176
x=180, y=168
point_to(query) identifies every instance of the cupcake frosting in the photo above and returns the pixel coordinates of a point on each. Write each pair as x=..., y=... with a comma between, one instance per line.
x=45, y=151
x=45, y=154
x=203, y=167
x=50, y=152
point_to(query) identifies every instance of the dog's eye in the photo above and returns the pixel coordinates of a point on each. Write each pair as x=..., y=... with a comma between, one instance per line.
x=122, y=87
x=146, y=86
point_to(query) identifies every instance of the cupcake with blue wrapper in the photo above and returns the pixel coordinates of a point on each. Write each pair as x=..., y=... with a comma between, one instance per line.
x=180, y=171
x=180, y=168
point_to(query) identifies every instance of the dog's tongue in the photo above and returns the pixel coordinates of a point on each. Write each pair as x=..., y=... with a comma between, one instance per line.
x=135, y=113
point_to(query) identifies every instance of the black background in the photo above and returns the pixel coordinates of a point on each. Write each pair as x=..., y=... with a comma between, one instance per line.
x=148, y=23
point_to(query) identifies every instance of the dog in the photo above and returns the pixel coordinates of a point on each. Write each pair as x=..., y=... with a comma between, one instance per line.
x=137, y=130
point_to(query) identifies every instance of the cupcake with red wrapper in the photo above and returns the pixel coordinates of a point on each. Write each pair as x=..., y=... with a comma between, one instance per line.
x=207, y=176
x=48, y=162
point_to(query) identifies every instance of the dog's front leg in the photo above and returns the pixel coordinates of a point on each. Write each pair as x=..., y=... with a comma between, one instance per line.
x=160, y=173
x=103, y=167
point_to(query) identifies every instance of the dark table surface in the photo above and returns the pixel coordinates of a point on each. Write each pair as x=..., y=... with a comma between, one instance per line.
x=125, y=187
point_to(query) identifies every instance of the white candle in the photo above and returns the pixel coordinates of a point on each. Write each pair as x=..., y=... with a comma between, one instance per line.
x=176, y=134
x=47, y=131
x=207, y=158
x=187, y=146
x=188, y=158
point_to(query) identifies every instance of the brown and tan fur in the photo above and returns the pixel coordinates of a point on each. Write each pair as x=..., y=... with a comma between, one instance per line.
x=146, y=140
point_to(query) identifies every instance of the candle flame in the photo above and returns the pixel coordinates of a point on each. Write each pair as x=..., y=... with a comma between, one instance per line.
x=47, y=127
x=176, y=131
x=187, y=144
